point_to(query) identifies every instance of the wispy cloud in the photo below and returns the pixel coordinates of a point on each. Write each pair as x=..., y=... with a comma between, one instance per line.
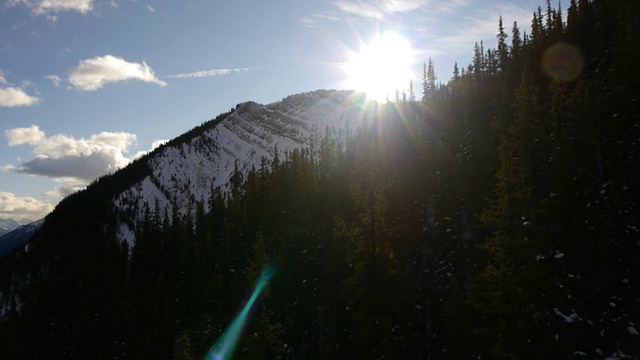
x=55, y=79
x=208, y=73
x=396, y=12
x=367, y=9
x=483, y=25
x=446, y=7
x=315, y=19
x=51, y=7
x=93, y=74
x=378, y=9
x=16, y=207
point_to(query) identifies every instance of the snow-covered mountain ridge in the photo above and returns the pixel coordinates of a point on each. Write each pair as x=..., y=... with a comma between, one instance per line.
x=250, y=135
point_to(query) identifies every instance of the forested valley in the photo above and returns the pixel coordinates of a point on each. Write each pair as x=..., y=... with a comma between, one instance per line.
x=495, y=218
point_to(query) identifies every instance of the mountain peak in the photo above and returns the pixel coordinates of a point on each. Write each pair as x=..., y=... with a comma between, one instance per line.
x=188, y=168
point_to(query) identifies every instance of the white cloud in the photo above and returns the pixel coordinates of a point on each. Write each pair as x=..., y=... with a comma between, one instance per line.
x=31, y=135
x=55, y=79
x=93, y=74
x=81, y=6
x=154, y=145
x=207, y=73
x=14, y=96
x=3, y=80
x=72, y=162
x=47, y=7
x=68, y=187
x=15, y=207
x=63, y=157
x=83, y=166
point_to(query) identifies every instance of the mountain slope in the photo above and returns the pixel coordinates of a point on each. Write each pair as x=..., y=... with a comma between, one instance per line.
x=18, y=236
x=95, y=229
x=186, y=171
x=504, y=219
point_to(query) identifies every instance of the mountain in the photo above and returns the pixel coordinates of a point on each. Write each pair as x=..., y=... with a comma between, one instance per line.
x=500, y=212
x=7, y=225
x=187, y=169
x=18, y=236
x=81, y=245
x=101, y=257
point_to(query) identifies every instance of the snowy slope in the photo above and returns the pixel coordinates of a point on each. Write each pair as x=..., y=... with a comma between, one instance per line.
x=19, y=236
x=251, y=133
x=8, y=225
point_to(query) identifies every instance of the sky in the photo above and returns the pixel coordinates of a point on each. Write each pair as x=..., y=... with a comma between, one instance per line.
x=88, y=85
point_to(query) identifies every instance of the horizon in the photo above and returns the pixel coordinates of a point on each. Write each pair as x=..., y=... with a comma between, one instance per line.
x=101, y=82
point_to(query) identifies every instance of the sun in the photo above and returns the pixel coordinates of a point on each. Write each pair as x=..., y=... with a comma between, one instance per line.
x=380, y=67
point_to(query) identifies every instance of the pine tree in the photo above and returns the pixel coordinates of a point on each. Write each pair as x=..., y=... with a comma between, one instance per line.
x=511, y=248
x=503, y=50
x=456, y=72
x=428, y=80
x=412, y=95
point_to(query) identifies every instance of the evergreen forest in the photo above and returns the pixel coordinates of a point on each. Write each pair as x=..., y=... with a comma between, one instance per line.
x=494, y=218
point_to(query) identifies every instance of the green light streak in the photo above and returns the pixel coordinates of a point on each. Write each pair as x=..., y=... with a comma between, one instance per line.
x=226, y=344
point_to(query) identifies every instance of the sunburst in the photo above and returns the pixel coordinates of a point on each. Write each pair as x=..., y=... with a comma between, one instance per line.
x=381, y=66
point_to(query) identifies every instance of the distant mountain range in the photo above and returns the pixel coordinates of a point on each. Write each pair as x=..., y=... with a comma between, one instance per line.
x=18, y=236
x=7, y=225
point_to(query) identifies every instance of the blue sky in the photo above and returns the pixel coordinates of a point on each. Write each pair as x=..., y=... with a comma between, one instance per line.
x=87, y=85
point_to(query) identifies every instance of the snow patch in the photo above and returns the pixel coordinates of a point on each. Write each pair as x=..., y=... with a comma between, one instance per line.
x=568, y=318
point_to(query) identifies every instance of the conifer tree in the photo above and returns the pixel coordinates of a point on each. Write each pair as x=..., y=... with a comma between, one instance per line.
x=503, y=50
x=412, y=95
x=428, y=80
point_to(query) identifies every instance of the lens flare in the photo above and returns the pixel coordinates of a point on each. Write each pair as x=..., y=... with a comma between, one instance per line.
x=226, y=344
x=563, y=62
